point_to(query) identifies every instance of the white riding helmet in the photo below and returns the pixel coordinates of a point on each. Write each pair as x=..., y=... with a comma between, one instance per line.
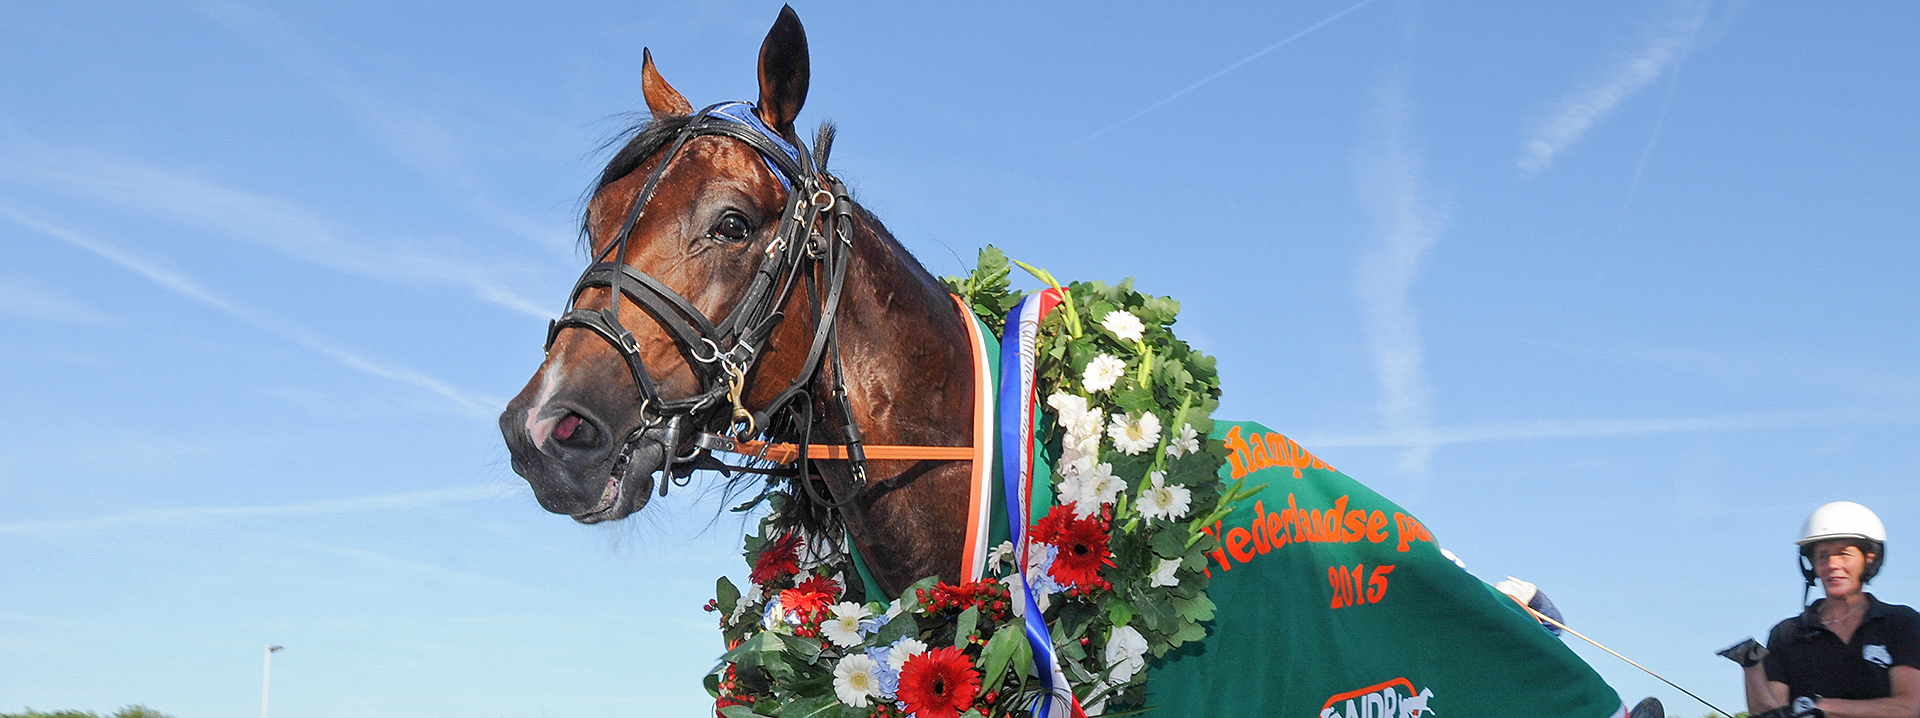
x=1844, y=520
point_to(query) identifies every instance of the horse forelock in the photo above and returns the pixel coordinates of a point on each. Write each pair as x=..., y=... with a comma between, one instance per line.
x=637, y=142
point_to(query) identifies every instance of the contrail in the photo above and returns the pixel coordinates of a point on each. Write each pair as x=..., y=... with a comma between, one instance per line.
x=1406, y=224
x=179, y=283
x=1660, y=121
x=1610, y=428
x=1217, y=75
x=1582, y=110
x=276, y=224
x=387, y=502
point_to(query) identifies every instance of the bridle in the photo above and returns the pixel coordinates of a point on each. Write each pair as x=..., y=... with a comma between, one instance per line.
x=812, y=243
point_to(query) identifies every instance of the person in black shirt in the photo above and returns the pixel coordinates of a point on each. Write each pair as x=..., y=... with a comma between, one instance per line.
x=1849, y=655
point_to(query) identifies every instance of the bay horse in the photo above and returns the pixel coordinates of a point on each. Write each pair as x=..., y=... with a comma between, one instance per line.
x=735, y=287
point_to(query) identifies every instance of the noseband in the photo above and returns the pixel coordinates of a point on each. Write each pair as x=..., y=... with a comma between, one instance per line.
x=812, y=238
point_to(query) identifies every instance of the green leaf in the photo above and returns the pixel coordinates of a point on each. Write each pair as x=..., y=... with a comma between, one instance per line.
x=805, y=649
x=739, y=712
x=1073, y=621
x=963, y=627
x=1119, y=610
x=1190, y=632
x=1069, y=649
x=999, y=651
x=750, y=651
x=902, y=625
x=1198, y=608
x=727, y=595
x=811, y=707
x=1169, y=542
x=1159, y=616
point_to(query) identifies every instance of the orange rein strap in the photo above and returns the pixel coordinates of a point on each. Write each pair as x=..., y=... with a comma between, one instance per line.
x=789, y=453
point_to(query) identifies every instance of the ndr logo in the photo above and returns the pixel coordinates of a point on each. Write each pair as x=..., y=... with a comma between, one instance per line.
x=1392, y=699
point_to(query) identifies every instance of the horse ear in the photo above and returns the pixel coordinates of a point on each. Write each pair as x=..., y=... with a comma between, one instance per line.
x=661, y=97
x=783, y=72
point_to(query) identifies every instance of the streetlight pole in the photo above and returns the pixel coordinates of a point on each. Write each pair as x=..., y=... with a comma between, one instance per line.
x=266, y=678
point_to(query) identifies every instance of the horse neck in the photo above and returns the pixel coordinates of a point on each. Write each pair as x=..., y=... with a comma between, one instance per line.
x=904, y=347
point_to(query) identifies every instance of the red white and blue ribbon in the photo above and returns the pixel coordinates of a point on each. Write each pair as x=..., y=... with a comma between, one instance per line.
x=1018, y=397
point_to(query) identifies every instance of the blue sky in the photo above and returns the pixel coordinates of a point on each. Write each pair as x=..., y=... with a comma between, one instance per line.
x=1610, y=295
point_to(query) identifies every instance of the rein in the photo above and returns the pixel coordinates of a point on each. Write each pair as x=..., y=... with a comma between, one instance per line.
x=813, y=237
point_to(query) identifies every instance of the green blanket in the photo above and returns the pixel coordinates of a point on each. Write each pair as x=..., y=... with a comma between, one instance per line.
x=1333, y=602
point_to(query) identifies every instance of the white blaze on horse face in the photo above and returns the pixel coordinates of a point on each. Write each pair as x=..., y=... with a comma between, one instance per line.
x=539, y=430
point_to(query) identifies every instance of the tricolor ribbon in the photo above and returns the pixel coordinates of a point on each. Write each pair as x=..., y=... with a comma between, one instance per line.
x=1018, y=397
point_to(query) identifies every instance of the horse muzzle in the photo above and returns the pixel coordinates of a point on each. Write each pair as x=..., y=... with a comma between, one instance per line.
x=579, y=466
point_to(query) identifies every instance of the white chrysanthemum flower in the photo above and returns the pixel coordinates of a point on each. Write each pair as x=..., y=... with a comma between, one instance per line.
x=1160, y=501
x=903, y=649
x=1103, y=372
x=1069, y=407
x=1074, y=464
x=844, y=628
x=1086, y=428
x=853, y=680
x=1095, y=489
x=1072, y=489
x=1133, y=435
x=1126, y=649
x=1163, y=574
x=1188, y=442
x=1001, y=554
x=1124, y=324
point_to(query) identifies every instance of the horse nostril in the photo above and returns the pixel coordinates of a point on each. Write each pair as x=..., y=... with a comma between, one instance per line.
x=575, y=431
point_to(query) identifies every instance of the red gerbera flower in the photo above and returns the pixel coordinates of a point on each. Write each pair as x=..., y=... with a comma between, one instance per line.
x=939, y=683
x=780, y=558
x=805, y=603
x=1047, y=529
x=1082, y=544
x=820, y=584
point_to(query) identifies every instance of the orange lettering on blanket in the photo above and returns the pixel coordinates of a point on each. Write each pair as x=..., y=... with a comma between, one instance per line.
x=1410, y=530
x=1355, y=587
x=1270, y=531
x=1253, y=452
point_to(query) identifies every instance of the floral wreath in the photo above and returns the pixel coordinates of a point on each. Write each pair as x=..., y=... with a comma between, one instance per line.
x=1117, y=565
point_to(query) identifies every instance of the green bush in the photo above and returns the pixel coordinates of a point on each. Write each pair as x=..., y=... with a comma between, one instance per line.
x=132, y=711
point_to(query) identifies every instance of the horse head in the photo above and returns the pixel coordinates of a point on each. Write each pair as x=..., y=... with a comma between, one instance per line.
x=681, y=226
x=737, y=291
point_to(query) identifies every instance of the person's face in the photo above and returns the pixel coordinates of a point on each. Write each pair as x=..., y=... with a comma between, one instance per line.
x=1838, y=564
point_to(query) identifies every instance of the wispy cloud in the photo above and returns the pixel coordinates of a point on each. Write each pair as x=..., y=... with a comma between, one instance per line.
x=24, y=297
x=1632, y=72
x=160, y=272
x=1429, y=437
x=1223, y=71
x=1406, y=223
x=386, y=502
x=276, y=224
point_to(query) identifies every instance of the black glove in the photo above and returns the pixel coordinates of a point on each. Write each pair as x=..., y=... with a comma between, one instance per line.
x=1747, y=653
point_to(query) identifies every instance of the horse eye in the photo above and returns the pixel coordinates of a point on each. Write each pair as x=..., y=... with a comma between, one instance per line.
x=732, y=227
